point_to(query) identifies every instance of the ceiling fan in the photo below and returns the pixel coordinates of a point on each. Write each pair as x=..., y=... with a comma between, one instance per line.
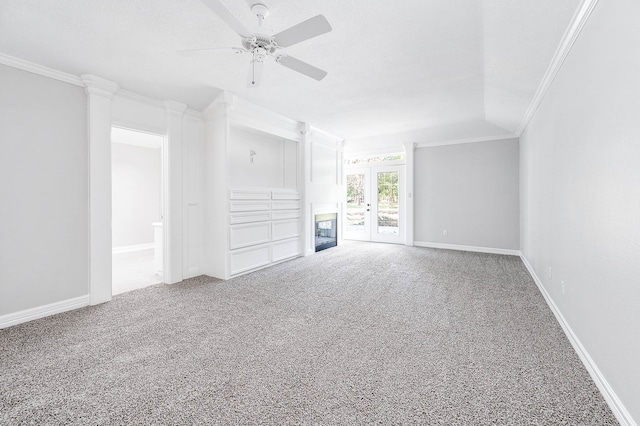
x=261, y=43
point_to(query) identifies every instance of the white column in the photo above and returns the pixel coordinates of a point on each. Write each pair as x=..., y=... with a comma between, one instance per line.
x=172, y=180
x=409, y=149
x=342, y=207
x=308, y=224
x=99, y=92
x=216, y=243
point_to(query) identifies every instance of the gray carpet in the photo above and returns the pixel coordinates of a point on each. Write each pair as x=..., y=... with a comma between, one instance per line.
x=358, y=334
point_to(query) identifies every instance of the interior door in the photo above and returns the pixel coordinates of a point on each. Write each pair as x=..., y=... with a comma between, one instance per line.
x=374, y=204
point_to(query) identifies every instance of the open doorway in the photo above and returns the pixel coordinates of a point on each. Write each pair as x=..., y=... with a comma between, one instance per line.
x=136, y=194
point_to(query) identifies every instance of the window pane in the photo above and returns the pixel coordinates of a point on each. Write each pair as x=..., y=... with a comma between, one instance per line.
x=388, y=203
x=375, y=159
x=356, y=206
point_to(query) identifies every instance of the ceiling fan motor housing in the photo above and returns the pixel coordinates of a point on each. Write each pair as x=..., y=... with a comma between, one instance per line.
x=260, y=41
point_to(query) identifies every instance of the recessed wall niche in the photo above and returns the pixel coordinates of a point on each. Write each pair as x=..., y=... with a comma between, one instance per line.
x=261, y=160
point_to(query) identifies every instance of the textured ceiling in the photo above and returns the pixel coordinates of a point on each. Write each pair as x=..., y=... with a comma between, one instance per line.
x=425, y=70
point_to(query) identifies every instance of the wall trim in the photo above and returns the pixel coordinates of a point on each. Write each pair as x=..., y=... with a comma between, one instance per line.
x=34, y=68
x=570, y=36
x=133, y=248
x=607, y=392
x=476, y=249
x=43, y=311
x=467, y=140
x=350, y=151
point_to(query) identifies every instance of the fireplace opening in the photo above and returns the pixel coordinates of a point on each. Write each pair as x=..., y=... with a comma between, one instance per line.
x=326, y=231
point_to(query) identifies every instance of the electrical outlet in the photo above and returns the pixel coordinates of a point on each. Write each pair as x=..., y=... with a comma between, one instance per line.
x=562, y=285
x=445, y=232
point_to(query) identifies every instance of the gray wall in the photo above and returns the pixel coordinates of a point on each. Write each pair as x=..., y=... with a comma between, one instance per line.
x=471, y=190
x=43, y=191
x=136, y=193
x=580, y=189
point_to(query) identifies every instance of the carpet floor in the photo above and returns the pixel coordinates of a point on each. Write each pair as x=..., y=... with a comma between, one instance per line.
x=358, y=334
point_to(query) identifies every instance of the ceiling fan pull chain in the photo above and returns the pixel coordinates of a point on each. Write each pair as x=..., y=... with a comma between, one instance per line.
x=253, y=67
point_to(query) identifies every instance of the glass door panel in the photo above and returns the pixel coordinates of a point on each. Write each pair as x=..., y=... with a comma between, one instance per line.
x=387, y=207
x=388, y=210
x=357, y=206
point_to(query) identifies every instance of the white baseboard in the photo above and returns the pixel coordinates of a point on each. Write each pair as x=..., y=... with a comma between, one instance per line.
x=607, y=392
x=43, y=311
x=467, y=248
x=131, y=249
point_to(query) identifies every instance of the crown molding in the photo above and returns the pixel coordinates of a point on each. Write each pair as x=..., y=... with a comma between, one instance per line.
x=326, y=135
x=34, y=68
x=467, y=140
x=31, y=67
x=136, y=97
x=570, y=36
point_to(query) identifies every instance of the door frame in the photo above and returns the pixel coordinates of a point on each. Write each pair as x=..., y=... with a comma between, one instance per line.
x=370, y=170
x=164, y=190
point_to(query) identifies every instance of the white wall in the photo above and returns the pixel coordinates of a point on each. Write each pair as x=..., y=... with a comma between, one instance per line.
x=580, y=191
x=43, y=191
x=471, y=190
x=136, y=193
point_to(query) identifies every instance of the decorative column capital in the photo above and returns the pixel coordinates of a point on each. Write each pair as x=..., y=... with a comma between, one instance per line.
x=305, y=128
x=95, y=85
x=175, y=108
x=410, y=146
x=222, y=102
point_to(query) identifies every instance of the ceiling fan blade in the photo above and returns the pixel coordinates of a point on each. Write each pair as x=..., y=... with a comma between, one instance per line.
x=229, y=18
x=193, y=52
x=255, y=74
x=303, y=31
x=302, y=67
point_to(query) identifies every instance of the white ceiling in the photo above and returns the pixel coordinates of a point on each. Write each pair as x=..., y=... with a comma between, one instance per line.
x=422, y=70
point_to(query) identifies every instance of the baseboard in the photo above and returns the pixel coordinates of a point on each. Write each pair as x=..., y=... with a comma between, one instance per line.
x=467, y=248
x=607, y=392
x=43, y=311
x=131, y=249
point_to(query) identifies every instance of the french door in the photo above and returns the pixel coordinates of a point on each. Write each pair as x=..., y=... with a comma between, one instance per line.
x=374, y=204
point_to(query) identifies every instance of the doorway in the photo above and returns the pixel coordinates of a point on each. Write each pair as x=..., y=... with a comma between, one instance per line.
x=375, y=204
x=137, y=219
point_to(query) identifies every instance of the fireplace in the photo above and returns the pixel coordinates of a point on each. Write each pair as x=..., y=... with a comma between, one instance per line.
x=326, y=231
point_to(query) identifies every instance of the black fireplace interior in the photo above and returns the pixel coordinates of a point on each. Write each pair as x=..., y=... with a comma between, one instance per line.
x=326, y=231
